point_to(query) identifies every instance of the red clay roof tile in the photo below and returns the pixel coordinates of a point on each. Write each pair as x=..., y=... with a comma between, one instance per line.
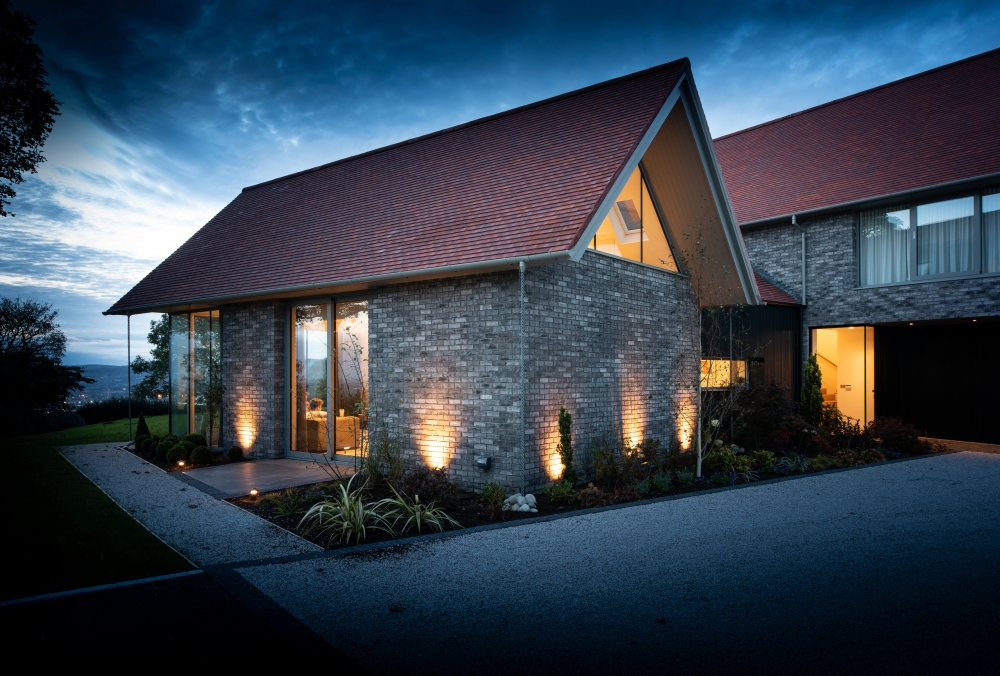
x=770, y=293
x=932, y=128
x=515, y=184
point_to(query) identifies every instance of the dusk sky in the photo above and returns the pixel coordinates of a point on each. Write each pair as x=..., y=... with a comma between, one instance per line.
x=169, y=109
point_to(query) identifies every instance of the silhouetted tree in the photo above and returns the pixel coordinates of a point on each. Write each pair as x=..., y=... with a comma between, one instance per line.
x=812, y=394
x=27, y=107
x=31, y=352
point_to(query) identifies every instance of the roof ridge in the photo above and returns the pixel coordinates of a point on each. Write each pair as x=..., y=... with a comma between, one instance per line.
x=447, y=130
x=859, y=94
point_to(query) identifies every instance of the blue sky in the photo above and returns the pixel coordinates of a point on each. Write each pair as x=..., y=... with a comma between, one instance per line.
x=169, y=109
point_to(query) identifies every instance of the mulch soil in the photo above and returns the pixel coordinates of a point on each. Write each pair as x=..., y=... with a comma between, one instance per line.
x=467, y=511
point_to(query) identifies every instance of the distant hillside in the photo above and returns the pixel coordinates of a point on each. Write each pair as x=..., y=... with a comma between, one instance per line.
x=109, y=381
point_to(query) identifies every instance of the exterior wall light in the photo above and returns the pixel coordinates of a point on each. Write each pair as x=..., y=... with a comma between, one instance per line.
x=483, y=462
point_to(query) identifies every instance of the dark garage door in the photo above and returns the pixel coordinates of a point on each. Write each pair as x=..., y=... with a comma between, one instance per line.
x=945, y=379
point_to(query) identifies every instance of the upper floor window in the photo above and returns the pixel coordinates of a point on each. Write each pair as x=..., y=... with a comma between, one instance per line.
x=632, y=229
x=954, y=237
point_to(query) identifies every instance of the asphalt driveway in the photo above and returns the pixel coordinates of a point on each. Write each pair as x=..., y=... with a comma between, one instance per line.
x=891, y=568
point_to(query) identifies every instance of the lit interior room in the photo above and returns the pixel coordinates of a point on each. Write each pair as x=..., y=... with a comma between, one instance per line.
x=846, y=357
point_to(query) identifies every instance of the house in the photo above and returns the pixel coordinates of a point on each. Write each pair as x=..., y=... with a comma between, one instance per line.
x=879, y=213
x=455, y=290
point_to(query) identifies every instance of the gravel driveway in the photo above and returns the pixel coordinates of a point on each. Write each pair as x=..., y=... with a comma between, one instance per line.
x=890, y=568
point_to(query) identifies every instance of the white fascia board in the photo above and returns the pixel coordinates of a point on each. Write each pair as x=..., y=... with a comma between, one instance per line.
x=699, y=127
x=576, y=253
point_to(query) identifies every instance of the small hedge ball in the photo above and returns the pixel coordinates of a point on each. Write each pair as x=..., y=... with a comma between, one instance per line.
x=139, y=439
x=146, y=444
x=234, y=454
x=187, y=445
x=175, y=453
x=163, y=447
x=171, y=437
x=201, y=456
x=196, y=440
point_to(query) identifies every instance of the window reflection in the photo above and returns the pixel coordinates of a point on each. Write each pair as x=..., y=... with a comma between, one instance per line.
x=309, y=369
x=352, y=377
x=196, y=375
x=632, y=228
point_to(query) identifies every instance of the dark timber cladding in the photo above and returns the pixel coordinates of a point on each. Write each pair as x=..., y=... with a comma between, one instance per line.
x=943, y=379
x=769, y=336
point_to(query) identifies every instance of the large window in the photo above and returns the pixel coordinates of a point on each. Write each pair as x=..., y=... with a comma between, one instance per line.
x=633, y=230
x=947, y=238
x=196, y=375
x=328, y=419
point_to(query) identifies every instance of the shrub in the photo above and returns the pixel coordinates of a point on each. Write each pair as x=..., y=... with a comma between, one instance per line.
x=728, y=461
x=492, y=499
x=645, y=486
x=849, y=458
x=760, y=407
x=812, y=395
x=234, y=454
x=196, y=440
x=176, y=452
x=823, y=461
x=895, y=435
x=146, y=444
x=762, y=459
x=629, y=493
x=592, y=496
x=721, y=479
x=870, y=455
x=565, y=447
x=201, y=456
x=187, y=445
x=661, y=480
x=935, y=446
x=615, y=461
x=139, y=439
x=163, y=447
x=170, y=437
x=561, y=491
x=432, y=485
x=141, y=427
x=684, y=478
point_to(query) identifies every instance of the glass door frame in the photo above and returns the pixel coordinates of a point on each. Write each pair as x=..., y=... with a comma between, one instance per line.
x=869, y=386
x=331, y=336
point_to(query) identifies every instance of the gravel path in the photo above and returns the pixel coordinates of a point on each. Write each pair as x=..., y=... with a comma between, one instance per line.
x=885, y=568
x=205, y=530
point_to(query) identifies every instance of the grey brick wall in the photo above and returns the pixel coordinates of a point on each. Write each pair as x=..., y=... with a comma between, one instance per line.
x=832, y=291
x=612, y=341
x=253, y=375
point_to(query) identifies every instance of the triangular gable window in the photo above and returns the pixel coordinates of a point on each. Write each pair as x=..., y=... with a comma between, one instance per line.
x=632, y=229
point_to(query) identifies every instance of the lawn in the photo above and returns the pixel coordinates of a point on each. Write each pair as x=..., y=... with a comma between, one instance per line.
x=65, y=533
x=116, y=430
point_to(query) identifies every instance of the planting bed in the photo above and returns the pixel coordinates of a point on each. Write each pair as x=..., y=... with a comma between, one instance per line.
x=286, y=508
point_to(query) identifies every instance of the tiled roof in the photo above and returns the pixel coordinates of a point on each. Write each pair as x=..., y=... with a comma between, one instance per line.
x=932, y=128
x=519, y=183
x=770, y=293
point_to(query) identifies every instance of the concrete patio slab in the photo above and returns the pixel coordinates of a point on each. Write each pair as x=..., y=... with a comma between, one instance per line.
x=230, y=481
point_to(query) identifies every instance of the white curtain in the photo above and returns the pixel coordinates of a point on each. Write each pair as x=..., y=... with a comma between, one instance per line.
x=944, y=237
x=884, y=246
x=991, y=230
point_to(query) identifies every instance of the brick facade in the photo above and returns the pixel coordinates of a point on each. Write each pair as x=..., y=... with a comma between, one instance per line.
x=833, y=295
x=612, y=341
x=253, y=375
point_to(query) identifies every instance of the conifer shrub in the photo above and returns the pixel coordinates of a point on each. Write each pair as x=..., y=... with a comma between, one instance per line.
x=812, y=395
x=142, y=428
x=565, y=447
